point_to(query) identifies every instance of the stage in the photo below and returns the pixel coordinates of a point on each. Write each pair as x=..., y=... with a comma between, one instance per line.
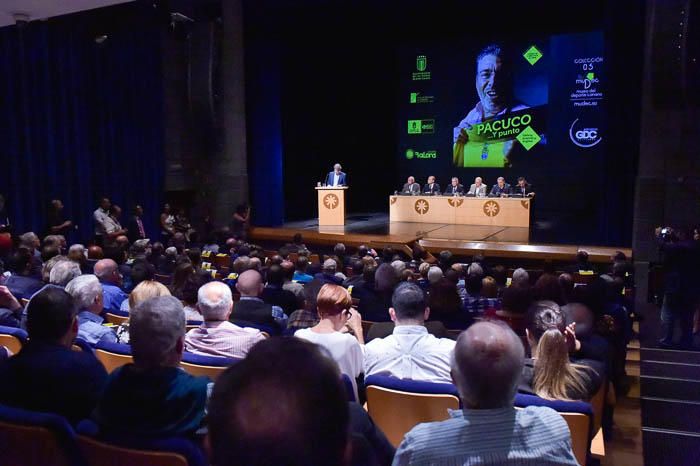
x=375, y=230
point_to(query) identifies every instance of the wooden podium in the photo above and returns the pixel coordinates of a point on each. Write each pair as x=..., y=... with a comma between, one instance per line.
x=331, y=205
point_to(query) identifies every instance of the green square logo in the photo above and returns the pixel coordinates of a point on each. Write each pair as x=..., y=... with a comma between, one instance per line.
x=528, y=138
x=414, y=97
x=590, y=75
x=414, y=126
x=532, y=55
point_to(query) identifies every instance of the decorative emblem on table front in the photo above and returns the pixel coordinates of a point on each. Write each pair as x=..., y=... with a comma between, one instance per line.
x=455, y=202
x=331, y=201
x=421, y=206
x=525, y=204
x=491, y=208
x=393, y=200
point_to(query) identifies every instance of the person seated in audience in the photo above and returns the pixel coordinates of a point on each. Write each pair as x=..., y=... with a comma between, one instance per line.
x=78, y=254
x=547, y=288
x=307, y=315
x=87, y=295
x=10, y=308
x=189, y=296
x=335, y=312
x=499, y=273
x=275, y=294
x=445, y=260
x=446, y=305
x=410, y=352
x=251, y=309
x=514, y=305
x=141, y=271
x=48, y=266
x=48, y=252
x=297, y=429
x=166, y=266
x=487, y=364
x=340, y=256
x=423, y=281
x=146, y=290
x=21, y=283
x=550, y=374
x=582, y=264
x=475, y=303
x=95, y=253
x=375, y=296
x=183, y=271
x=329, y=273
x=489, y=287
x=153, y=397
x=566, y=282
x=300, y=275
x=47, y=375
x=520, y=278
x=217, y=336
x=195, y=257
x=30, y=242
x=107, y=271
x=588, y=344
x=63, y=272
x=297, y=289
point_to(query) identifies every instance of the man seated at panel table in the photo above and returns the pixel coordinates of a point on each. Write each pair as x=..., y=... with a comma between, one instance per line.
x=454, y=188
x=501, y=188
x=411, y=187
x=523, y=188
x=431, y=187
x=478, y=188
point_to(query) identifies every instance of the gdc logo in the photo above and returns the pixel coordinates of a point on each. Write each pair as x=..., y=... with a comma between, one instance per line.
x=584, y=137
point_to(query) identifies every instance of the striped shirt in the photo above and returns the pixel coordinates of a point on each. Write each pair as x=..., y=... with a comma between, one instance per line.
x=222, y=339
x=530, y=436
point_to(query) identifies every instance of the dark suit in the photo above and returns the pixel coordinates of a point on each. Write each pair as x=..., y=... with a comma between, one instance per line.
x=133, y=227
x=451, y=190
x=411, y=188
x=253, y=311
x=52, y=378
x=497, y=191
x=433, y=189
x=524, y=191
x=342, y=181
x=280, y=297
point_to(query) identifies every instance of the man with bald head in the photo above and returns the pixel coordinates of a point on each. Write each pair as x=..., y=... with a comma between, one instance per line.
x=486, y=368
x=251, y=310
x=107, y=271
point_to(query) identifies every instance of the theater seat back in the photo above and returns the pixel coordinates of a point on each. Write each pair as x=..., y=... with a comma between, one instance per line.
x=103, y=454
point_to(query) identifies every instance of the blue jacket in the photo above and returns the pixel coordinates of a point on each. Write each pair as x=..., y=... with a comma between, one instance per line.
x=343, y=181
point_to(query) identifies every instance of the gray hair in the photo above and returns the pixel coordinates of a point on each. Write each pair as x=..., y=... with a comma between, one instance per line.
x=155, y=327
x=214, y=309
x=329, y=265
x=520, y=277
x=338, y=166
x=53, y=240
x=475, y=269
x=434, y=274
x=48, y=265
x=399, y=266
x=77, y=248
x=84, y=290
x=27, y=239
x=171, y=251
x=487, y=364
x=500, y=178
x=63, y=272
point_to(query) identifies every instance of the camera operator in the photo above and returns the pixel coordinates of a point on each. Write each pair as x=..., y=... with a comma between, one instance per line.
x=681, y=257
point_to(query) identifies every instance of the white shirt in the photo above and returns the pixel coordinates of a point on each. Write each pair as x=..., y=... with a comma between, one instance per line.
x=410, y=352
x=344, y=349
x=336, y=177
x=100, y=216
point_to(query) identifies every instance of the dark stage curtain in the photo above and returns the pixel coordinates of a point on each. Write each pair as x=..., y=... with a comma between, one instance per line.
x=80, y=120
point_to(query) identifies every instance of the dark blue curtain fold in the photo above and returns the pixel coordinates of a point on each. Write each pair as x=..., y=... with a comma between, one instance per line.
x=79, y=120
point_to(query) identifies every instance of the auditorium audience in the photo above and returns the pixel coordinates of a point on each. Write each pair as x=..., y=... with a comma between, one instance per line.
x=87, y=295
x=550, y=374
x=107, y=272
x=47, y=375
x=487, y=364
x=217, y=336
x=375, y=296
x=251, y=309
x=153, y=397
x=410, y=352
x=446, y=305
x=300, y=274
x=310, y=422
x=335, y=313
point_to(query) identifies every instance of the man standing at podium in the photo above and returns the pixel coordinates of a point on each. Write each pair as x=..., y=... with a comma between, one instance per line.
x=336, y=177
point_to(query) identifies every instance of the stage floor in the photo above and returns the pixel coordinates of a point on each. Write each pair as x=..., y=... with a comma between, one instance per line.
x=375, y=230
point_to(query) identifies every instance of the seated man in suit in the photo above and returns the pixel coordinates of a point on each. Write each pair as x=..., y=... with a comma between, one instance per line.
x=501, y=188
x=411, y=187
x=478, y=188
x=337, y=177
x=47, y=375
x=523, y=188
x=454, y=188
x=431, y=187
x=251, y=309
x=153, y=396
